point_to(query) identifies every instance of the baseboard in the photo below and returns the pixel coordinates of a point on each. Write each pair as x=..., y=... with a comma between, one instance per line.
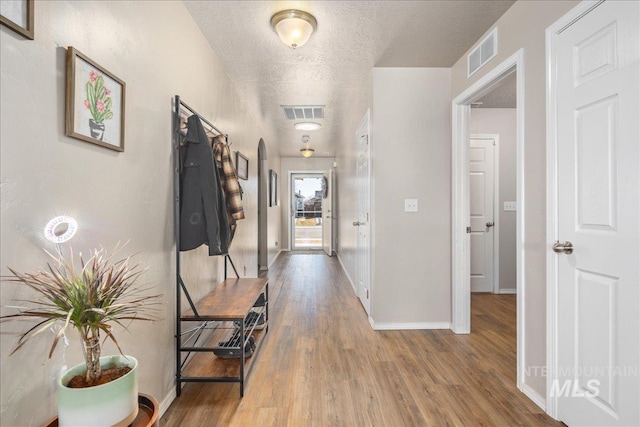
x=274, y=259
x=507, y=291
x=534, y=396
x=166, y=402
x=346, y=273
x=406, y=326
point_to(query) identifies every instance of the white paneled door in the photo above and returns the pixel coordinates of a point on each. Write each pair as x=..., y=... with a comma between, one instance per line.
x=481, y=207
x=362, y=224
x=327, y=212
x=598, y=201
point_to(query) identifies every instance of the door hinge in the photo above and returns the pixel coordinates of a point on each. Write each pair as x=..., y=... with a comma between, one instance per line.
x=468, y=230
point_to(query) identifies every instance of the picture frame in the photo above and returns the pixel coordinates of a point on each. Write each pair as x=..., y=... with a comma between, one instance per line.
x=242, y=166
x=18, y=16
x=273, y=188
x=95, y=101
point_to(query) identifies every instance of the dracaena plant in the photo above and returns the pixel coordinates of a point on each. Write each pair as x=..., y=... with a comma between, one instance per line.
x=90, y=297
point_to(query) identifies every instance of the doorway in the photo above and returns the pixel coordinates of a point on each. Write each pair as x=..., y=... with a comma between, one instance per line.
x=263, y=192
x=461, y=287
x=306, y=201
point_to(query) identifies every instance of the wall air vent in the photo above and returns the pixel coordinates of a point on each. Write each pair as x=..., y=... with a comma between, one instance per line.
x=303, y=112
x=483, y=52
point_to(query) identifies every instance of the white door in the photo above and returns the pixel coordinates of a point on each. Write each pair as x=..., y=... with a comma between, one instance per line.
x=598, y=154
x=327, y=212
x=481, y=207
x=362, y=224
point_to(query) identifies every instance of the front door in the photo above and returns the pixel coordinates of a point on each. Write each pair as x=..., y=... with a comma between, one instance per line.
x=481, y=207
x=598, y=278
x=363, y=179
x=306, y=211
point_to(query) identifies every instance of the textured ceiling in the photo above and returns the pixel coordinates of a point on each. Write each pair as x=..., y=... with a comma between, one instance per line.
x=332, y=69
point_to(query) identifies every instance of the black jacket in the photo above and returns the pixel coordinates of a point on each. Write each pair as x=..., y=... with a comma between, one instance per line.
x=203, y=217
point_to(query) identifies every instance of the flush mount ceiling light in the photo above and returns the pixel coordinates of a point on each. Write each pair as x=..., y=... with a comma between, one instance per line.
x=294, y=27
x=307, y=126
x=307, y=152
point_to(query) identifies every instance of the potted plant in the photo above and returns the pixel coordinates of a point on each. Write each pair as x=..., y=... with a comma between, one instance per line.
x=90, y=297
x=98, y=103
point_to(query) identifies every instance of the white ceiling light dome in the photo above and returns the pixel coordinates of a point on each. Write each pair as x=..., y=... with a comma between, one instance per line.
x=307, y=126
x=307, y=152
x=294, y=27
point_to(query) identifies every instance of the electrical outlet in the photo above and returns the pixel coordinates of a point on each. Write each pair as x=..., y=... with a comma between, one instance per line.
x=411, y=205
x=509, y=206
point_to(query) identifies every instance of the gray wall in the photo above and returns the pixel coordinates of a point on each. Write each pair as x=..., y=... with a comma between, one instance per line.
x=114, y=196
x=411, y=158
x=502, y=121
x=523, y=26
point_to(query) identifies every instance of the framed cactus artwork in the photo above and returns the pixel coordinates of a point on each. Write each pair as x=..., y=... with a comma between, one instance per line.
x=95, y=102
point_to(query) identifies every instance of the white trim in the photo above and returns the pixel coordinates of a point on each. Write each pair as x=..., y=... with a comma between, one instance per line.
x=372, y=323
x=551, y=35
x=496, y=205
x=460, y=292
x=167, y=401
x=509, y=291
x=400, y=326
x=533, y=395
x=274, y=258
x=346, y=273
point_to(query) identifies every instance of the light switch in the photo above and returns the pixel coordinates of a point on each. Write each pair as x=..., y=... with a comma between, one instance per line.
x=509, y=206
x=411, y=205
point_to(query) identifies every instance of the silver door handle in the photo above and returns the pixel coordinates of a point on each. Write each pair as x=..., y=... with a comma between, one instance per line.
x=563, y=247
x=490, y=224
x=356, y=223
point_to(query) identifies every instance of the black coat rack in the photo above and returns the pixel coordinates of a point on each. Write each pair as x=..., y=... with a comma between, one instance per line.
x=180, y=106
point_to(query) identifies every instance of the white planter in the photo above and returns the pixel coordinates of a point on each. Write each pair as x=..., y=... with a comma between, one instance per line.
x=111, y=404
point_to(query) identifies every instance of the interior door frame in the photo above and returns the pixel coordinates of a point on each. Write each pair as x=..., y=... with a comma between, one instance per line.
x=551, y=37
x=496, y=204
x=291, y=225
x=460, y=273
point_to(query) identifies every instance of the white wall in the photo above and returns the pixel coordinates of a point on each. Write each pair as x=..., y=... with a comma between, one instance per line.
x=411, y=158
x=502, y=121
x=274, y=213
x=523, y=26
x=114, y=196
x=295, y=164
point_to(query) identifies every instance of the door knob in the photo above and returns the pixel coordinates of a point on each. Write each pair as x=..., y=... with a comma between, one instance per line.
x=563, y=247
x=490, y=224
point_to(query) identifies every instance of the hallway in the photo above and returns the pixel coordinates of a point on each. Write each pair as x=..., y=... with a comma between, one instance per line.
x=323, y=365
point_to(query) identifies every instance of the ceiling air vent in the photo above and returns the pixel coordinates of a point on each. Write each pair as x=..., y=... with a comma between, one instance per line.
x=304, y=112
x=486, y=49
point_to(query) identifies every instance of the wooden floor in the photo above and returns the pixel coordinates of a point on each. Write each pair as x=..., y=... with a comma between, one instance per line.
x=322, y=365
